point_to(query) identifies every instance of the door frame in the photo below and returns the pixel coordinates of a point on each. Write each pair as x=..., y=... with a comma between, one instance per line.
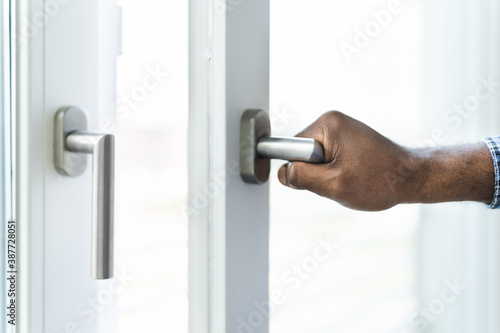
x=228, y=219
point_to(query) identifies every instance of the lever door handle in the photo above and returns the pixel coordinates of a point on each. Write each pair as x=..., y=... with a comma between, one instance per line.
x=290, y=149
x=257, y=147
x=72, y=143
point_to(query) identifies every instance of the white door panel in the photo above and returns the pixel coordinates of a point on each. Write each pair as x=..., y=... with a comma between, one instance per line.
x=61, y=64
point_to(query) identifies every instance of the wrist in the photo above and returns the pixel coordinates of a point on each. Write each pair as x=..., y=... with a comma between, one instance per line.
x=419, y=167
x=461, y=173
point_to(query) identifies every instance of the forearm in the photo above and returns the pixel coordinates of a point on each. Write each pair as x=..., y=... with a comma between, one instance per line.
x=459, y=173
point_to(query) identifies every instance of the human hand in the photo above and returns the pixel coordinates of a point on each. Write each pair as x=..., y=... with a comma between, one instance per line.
x=364, y=170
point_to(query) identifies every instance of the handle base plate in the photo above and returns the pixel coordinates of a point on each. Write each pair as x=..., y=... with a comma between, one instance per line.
x=67, y=120
x=254, y=124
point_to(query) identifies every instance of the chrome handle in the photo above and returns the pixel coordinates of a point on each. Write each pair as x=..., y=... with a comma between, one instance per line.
x=72, y=143
x=101, y=147
x=257, y=147
x=291, y=149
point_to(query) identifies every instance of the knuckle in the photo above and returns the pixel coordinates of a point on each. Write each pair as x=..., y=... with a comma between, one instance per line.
x=334, y=118
x=334, y=115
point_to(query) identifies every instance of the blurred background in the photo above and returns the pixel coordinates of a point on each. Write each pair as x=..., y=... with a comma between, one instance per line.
x=151, y=175
x=402, y=67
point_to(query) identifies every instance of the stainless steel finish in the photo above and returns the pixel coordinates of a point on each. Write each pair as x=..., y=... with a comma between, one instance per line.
x=101, y=146
x=72, y=143
x=69, y=119
x=253, y=168
x=291, y=149
x=257, y=147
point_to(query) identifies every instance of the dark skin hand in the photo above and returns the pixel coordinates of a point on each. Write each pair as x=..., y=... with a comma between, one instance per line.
x=364, y=170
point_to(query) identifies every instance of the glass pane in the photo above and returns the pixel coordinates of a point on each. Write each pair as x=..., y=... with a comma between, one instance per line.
x=151, y=184
x=415, y=71
x=368, y=282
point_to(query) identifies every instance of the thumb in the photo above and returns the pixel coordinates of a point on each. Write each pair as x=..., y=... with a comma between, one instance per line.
x=303, y=176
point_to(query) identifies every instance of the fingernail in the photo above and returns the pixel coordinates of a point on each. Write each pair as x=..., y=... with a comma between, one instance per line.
x=282, y=174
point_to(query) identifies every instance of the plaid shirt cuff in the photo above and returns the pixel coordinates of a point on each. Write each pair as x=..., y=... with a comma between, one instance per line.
x=494, y=145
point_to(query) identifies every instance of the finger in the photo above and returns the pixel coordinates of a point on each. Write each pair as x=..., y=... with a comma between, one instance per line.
x=305, y=176
x=282, y=174
x=325, y=130
x=316, y=130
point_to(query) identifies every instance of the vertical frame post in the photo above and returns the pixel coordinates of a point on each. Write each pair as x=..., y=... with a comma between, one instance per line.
x=229, y=234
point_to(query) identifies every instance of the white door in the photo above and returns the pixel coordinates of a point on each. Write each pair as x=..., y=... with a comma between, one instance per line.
x=214, y=254
x=66, y=56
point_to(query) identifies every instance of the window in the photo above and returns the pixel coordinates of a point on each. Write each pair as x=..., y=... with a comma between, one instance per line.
x=368, y=282
x=151, y=180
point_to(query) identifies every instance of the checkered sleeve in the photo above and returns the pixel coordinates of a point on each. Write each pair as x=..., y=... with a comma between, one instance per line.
x=494, y=145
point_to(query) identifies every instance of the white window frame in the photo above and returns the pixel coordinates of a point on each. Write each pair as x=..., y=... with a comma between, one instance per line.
x=229, y=235
x=6, y=141
x=68, y=59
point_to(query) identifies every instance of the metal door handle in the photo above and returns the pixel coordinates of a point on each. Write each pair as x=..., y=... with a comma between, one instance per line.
x=257, y=147
x=72, y=142
x=290, y=149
